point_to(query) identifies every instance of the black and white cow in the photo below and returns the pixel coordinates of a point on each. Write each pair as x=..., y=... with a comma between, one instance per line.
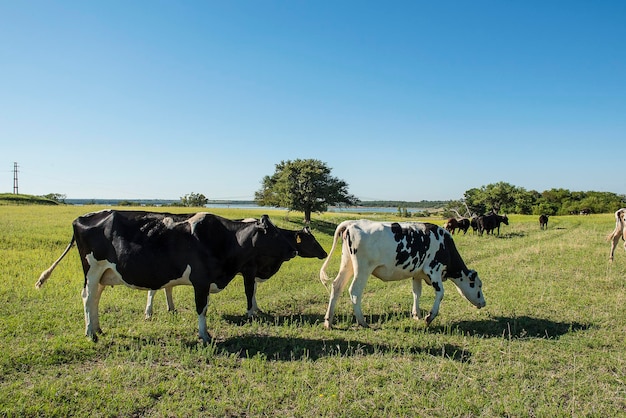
x=260, y=269
x=397, y=251
x=146, y=250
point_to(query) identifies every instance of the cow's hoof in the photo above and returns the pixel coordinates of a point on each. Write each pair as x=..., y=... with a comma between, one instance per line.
x=429, y=319
x=327, y=324
x=206, y=339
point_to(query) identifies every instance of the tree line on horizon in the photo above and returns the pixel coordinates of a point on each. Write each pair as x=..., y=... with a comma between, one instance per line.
x=307, y=186
x=503, y=197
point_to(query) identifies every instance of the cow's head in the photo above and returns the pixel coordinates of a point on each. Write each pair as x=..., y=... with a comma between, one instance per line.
x=505, y=219
x=307, y=245
x=470, y=286
x=268, y=241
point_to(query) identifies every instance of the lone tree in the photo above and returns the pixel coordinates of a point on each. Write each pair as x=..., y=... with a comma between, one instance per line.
x=303, y=185
x=194, y=200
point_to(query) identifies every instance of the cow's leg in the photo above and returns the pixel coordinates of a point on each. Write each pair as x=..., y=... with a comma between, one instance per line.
x=169, y=299
x=417, y=292
x=339, y=284
x=96, y=322
x=149, y=302
x=437, y=284
x=91, y=297
x=249, y=283
x=614, y=241
x=356, y=293
x=202, y=303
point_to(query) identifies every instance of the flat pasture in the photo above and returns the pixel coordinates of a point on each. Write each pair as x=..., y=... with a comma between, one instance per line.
x=550, y=342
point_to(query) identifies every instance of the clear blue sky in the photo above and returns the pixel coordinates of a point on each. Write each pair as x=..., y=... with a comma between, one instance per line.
x=404, y=100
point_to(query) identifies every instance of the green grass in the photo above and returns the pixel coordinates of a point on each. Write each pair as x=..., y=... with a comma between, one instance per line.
x=24, y=199
x=551, y=341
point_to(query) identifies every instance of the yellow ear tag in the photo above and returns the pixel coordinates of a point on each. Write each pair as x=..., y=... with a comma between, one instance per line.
x=298, y=239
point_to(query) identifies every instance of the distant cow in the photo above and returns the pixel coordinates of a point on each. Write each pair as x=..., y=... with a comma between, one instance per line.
x=461, y=224
x=474, y=224
x=585, y=211
x=543, y=221
x=618, y=232
x=490, y=222
x=451, y=225
x=464, y=224
x=260, y=269
x=145, y=250
x=396, y=251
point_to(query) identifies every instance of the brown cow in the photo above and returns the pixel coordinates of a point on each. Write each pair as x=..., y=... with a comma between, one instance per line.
x=451, y=225
x=618, y=232
x=461, y=224
x=543, y=221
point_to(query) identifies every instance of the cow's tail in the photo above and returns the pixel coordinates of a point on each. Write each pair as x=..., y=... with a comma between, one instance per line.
x=338, y=232
x=619, y=227
x=46, y=274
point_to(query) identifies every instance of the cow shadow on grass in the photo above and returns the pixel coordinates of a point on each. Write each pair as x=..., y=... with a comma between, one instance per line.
x=514, y=328
x=288, y=348
x=518, y=327
x=274, y=348
x=279, y=320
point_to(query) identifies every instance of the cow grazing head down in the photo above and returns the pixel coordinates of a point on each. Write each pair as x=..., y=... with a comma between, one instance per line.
x=396, y=251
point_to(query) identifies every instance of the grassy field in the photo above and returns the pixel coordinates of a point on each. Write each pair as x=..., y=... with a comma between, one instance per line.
x=551, y=341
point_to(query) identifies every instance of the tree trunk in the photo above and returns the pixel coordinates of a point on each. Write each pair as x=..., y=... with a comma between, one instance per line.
x=307, y=216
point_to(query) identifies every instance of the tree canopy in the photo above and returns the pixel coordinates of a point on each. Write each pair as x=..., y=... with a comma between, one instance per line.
x=507, y=198
x=303, y=185
x=194, y=200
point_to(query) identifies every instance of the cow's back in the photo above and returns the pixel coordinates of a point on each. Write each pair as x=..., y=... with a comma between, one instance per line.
x=393, y=251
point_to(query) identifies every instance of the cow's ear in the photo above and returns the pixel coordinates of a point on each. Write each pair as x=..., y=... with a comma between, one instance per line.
x=264, y=223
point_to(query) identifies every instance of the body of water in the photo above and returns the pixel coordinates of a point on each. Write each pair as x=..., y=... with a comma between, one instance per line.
x=237, y=205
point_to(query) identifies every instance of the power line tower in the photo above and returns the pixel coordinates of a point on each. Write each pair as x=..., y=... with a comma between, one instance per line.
x=15, y=183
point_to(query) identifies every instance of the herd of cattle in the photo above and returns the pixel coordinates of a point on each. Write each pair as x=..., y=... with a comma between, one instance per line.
x=152, y=251
x=488, y=222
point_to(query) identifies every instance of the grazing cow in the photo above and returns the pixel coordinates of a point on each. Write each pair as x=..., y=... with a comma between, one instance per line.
x=263, y=267
x=585, y=211
x=490, y=222
x=396, y=251
x=543, y=221
x=618, y=232
x=145, y=250
x=463, y=225
x=451, y=225
x=474, y=224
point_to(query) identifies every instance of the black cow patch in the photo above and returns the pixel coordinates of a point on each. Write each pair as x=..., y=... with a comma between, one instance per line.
x=412, y=246
x=349, y=239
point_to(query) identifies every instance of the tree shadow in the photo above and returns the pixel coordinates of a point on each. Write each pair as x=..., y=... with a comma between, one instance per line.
x=325, y=227
x=518, y=328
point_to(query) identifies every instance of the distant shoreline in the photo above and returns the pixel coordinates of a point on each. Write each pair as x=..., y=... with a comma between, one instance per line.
x=424, y=204
x=242, y=204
